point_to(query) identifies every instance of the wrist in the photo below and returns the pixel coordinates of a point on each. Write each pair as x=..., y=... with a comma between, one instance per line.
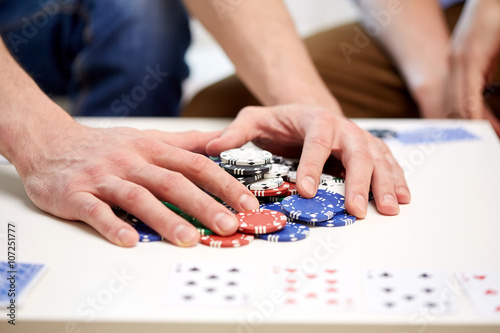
x=428, y=93
x=31, y=131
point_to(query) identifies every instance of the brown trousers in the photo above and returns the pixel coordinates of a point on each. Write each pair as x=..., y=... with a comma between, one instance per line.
x=369, y=86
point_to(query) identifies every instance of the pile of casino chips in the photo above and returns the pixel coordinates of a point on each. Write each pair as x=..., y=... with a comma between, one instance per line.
x=284, y=216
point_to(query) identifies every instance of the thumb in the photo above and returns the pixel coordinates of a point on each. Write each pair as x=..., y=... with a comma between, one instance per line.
x=242, y=130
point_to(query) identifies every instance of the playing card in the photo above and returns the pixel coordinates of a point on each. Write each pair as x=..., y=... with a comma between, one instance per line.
x=326, y=287
x=17, y=279
x=408, y=291
x=434, y=135
x=483, y=290
x=211, y=284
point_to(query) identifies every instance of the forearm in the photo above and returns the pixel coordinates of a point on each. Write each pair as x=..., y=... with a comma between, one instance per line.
x=24, y=111
x=270, y=58
x=415, y=35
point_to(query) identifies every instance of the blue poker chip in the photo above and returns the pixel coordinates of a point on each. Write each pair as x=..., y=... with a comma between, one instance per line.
x=337, y=200
x=292, y=232
x=320, y=208
x=146, y=234
x=341, y=220
x=276, y=206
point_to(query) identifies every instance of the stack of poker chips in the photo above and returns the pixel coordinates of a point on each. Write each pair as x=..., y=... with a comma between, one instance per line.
x=284, y=216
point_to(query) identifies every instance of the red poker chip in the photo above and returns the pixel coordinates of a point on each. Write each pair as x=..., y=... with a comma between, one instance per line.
x=235, y=240
x=261, y=221
x=292, y=190
x=279, y=191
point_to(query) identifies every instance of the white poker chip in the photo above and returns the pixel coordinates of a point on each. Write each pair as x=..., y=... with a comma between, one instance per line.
x=277, y=170
x=292, y=176
x=325, y=176
x=336, y=185
x=246, y=156
x=265, y=184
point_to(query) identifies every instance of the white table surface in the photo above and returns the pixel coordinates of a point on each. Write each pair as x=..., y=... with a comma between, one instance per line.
x=452, y=223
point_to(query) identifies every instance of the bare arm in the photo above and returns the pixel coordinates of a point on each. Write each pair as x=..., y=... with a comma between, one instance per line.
x=415, y=35
x=260, y=39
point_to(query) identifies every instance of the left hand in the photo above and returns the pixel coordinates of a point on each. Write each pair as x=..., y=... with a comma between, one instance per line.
x=475, y=50
x=315, y=134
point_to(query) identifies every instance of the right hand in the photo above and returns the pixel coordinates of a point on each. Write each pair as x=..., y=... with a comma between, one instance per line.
x=315, y=134
x=77, y=173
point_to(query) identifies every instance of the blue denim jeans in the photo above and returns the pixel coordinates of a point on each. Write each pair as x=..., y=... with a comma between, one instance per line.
x=111, y=57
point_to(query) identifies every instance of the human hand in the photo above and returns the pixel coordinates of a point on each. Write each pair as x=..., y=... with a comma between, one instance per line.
x=77, y=173
x=475, y=50
x=316, y=134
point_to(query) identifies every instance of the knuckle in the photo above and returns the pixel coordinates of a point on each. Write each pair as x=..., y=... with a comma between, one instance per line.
x=247, y=110
x=321, y=141
x=170, y=180
x=362, y=155
x=134, y=194
x=199, y=163
x=89, y=210
x=310, y=165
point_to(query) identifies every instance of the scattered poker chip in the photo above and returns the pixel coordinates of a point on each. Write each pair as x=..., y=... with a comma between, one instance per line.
x=197, y=224
x=336, y=199
x=275, y=206
x=279, y=191
x=336, y=185
x=265, y=184
x=292, y=176
x=231, y=209
x=292, y=163
x=271, y=199
x=325, y=176
x=292, y=190
x=214, y=158
x=250, y=179
x=132, y=219
x=320, y=208
x=246, y=156
x=292, y=232
x=277, y=159
x=340, y=220
x=245, y=170
x=146, y=234
x=277, y=170
x=235, y=240
x=204, y=231
x=261, y=221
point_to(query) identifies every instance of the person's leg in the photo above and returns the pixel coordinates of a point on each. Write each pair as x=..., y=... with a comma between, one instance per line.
x=366, y=84
x=113, y=57
x=132, y=63
x=33, y=32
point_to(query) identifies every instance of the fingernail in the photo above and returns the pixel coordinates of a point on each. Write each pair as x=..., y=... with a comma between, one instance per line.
x=360, y=203
x=248, y=202
x=309, y=185
x=225, y=222
x=126, y=237
x=185, y=234
x=389, y=200
x=403, y=190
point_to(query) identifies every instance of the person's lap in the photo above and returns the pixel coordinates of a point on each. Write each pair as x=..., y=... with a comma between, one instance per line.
x=112, y=57
x=354, y=67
